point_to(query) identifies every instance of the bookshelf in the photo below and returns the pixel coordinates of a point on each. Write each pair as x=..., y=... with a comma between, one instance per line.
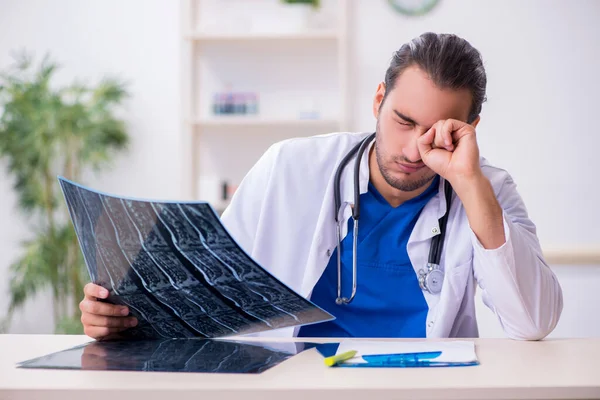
x=296, y=68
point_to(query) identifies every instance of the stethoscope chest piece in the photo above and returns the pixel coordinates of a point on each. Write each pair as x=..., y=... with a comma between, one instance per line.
x=432, y=279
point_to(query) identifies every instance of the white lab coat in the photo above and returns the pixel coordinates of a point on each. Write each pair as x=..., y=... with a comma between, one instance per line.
x=282, y=216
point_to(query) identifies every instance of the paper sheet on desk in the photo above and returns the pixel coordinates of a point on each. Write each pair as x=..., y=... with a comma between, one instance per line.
x=453, y=352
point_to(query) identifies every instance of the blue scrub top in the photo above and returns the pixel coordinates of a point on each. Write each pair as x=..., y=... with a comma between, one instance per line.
x=389, y=301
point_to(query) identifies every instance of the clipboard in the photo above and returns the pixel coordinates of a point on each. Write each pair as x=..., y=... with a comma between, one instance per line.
x=395, y=355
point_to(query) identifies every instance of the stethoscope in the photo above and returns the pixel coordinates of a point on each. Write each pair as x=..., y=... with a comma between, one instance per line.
x=431, y=278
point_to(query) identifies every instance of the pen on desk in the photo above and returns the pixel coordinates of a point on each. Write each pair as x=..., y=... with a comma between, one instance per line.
x=333, y=360
x=402, y=358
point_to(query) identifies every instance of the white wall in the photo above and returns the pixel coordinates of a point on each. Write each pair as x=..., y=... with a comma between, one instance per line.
x=542, y=59
x=540, y=110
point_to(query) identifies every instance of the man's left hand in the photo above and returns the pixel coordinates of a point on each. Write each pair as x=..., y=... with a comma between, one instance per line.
x=450, y=149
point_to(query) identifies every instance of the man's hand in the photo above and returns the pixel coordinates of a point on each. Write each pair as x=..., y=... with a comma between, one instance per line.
x=100, y=320
x=450, y=149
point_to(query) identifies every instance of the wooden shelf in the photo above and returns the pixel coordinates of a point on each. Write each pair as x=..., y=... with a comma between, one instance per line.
x=583, y=256
x=231, y=121
x=245, y=37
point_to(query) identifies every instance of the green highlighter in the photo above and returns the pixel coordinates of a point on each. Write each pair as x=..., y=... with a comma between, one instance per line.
x=333, y=360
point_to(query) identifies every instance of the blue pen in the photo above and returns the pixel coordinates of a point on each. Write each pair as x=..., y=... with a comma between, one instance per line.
x=402, y=358
x=407, y=360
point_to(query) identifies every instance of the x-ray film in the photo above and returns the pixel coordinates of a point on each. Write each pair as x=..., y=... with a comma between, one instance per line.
x=178, y=270
x=171, y=355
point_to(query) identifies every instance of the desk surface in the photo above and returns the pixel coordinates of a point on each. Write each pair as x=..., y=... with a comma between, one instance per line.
x=551, y=369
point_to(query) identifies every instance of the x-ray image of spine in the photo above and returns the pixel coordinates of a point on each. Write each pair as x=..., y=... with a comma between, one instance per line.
x=178, y=270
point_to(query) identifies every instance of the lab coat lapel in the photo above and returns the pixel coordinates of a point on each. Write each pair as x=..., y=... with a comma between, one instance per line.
x=428, y=224
x=323, y=243
x=419, y=244
x=426, y=227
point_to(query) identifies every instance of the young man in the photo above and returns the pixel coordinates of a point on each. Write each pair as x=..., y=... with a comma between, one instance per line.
x=284, y=215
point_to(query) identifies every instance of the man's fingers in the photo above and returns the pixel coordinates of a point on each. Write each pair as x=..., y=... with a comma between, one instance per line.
x=438, y=139
x=435, y=158
x=446, y=130
x=108, y=322
x=96, y=307
x=92, y=290
x=99, y=319
x=458, y=129
x=449, y=132
x=98, y=332
x=425, y=142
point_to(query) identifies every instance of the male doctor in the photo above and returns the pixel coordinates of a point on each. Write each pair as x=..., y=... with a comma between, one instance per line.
x=427, y=111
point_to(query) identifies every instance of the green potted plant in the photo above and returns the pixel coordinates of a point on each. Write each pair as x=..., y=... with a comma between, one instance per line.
x=48, y=130
x=310, y=12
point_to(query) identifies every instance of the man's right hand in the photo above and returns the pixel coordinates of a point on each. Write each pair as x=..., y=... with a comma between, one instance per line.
x=101, y=319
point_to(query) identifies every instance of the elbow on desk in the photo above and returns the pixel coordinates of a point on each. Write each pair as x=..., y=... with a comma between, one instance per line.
x=540, y=326
x=530, y=334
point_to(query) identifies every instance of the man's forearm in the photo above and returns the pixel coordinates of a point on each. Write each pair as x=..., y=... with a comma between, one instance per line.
x=483, y=210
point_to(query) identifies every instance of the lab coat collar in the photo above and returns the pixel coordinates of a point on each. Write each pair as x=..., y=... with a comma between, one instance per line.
x=428, y=224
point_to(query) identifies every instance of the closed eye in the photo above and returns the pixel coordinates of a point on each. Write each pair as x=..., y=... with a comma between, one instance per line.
x=404, y=123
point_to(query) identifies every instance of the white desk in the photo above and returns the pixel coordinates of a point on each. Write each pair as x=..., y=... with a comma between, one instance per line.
x=552, y=369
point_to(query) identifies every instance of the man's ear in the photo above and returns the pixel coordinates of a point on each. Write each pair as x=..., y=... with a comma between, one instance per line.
x=475, y=122
x=379, y=95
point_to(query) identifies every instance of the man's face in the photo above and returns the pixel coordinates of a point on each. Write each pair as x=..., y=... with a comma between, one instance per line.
x=413, y=106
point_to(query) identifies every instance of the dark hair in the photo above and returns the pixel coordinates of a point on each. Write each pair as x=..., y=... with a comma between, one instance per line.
x=450, y=61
